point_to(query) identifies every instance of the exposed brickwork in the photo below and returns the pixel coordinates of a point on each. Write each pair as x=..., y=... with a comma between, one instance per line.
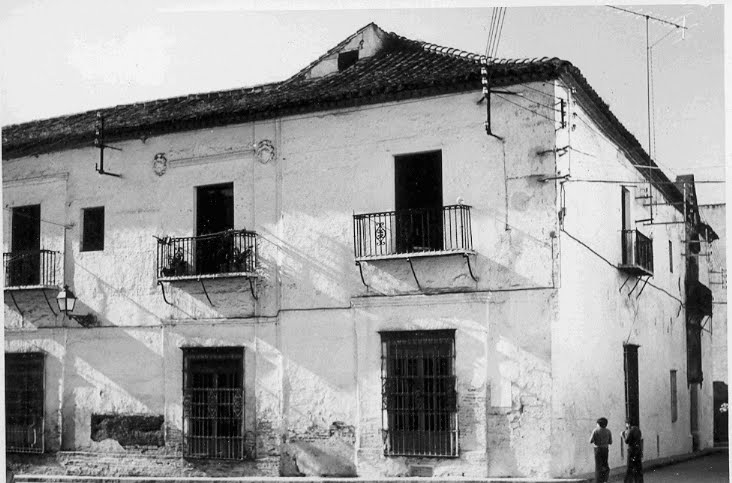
x=131, y=464
x=128, y=430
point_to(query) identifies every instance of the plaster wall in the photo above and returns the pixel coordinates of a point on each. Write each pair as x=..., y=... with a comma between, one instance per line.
x=310, y=336
x=468, y=315
x=601, y=308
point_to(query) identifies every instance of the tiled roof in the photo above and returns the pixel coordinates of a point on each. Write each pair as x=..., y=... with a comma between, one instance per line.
x=401, y=69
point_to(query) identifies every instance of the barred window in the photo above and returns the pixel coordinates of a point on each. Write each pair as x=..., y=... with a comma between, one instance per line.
x=213, y=403
x=419, y=403
x=24, y=392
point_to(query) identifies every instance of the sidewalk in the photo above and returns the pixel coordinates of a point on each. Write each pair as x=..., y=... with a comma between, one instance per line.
x=655, y=470
x=650, y=466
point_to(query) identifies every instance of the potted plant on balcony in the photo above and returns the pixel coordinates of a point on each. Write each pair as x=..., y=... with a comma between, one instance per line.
x=177, y=264
x=241, y=259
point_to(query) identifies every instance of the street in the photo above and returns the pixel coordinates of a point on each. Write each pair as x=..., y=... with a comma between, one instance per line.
x=712, y=468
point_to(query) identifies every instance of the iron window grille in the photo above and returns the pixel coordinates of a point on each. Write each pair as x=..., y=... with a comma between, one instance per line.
x=213, y=403
x=232, y=252
x=29, y=268
x=423, y=230
x=419, y=401
x=24, y=393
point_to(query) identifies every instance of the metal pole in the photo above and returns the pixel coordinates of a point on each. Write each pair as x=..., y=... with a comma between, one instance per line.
x=648, y=101
x=648, y=86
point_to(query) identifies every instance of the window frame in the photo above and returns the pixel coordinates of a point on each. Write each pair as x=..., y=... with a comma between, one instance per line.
x=85, y=245
x=406, y=359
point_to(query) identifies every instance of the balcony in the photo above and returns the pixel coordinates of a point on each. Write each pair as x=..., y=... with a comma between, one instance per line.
x=637, y=253
x=31, y=269
x=231, y=253
x=411, y=233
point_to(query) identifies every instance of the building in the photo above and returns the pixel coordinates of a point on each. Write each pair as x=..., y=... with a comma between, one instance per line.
x=354, y=259
x=715, y=215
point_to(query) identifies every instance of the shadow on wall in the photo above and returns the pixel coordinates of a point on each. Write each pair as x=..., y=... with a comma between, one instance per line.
x=317, y=273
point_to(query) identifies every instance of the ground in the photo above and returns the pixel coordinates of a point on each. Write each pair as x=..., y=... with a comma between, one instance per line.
x=708, y=469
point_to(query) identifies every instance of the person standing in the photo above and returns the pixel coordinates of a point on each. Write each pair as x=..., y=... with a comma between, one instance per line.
x=634, y=439
x=601, y=439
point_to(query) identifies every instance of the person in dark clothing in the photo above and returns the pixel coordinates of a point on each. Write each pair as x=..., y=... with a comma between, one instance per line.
x=601, y=438
x=634, y=439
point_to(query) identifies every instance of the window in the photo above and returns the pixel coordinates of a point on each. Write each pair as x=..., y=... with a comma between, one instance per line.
x=674, y=398
x=24, y=394
x=632, y=398
x=92, y=226
x=347, y=59
x=213, y=403
x=670, y=256
x=419, y=403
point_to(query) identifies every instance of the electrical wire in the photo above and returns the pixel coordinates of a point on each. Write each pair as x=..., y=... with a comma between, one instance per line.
x=660, y=166
x=551, y=96
x=536, y=102
x=35, y=218
x=500, y=32
x=491, y=31
x=523, y=107
x=615, y=266
x=495, y=20
x=575, y=180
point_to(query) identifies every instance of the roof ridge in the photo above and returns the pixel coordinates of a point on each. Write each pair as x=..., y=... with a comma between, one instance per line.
x=471, y=56
x=343, y=42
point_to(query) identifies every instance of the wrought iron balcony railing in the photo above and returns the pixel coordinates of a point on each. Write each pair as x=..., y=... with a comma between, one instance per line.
x=229, y=253
x=637, y=253
x=415, y=231
x=31, y=268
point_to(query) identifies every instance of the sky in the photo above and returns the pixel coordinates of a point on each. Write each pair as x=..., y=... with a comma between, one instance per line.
x=65, y=56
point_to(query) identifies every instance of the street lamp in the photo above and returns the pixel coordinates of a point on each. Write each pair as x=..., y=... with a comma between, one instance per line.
x=66, y=300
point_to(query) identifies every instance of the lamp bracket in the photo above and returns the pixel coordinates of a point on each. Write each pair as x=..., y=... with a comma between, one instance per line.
x=88, y=320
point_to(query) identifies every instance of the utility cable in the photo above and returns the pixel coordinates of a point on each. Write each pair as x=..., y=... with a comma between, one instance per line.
x=500, y=32
x=491, y=30
x=630, y=182
x=615, y=266
x=551, y=96
x=552, y=108
x=496, y=19
x=525, y=108
x=35, y=218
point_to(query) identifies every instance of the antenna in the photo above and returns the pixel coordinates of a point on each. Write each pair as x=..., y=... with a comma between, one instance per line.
x=648, y=85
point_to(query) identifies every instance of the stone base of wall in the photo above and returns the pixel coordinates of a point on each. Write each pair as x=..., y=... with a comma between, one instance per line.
x=130, y=464
x=373, y=464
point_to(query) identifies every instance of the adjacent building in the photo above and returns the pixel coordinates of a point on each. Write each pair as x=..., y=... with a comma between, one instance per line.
x=715, y=215
x=359, y=258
